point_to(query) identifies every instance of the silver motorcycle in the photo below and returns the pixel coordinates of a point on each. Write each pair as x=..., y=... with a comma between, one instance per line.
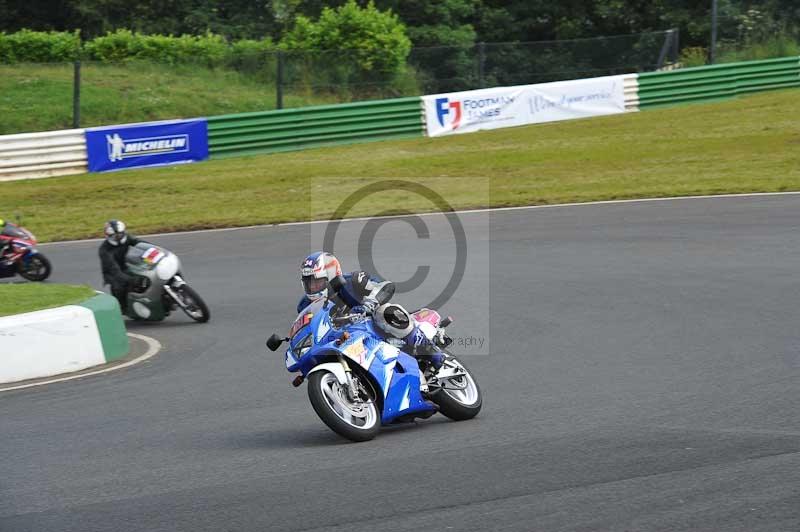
x=158, y=287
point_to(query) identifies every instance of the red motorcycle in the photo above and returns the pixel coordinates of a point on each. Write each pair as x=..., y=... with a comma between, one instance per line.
x=18, y=254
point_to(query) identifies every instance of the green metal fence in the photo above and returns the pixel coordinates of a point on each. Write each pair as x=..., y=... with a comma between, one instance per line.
x=295, y=129
x=306, y=127
x=717, y=82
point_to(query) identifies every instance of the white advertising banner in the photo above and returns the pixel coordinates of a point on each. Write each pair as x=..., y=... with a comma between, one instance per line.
x=465, y=112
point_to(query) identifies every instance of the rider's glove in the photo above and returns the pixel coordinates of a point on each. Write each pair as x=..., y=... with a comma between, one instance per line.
x=369, y=305
x=441, y=339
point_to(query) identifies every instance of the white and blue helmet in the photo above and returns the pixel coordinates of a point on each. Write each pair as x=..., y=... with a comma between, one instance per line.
x=316, y=271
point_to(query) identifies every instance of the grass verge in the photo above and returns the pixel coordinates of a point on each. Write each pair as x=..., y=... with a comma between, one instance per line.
x=16, y=298
x=134, y=92
x=746, y=145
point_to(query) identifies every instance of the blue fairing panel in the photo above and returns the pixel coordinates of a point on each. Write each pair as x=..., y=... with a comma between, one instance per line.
x=403, y=395
x=314, y=341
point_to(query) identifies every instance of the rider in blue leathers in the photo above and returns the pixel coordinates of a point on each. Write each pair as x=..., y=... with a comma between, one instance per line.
x=360, y=291
x=367, y=294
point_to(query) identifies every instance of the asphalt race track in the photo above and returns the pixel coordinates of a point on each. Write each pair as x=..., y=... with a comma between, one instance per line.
x=642, y=373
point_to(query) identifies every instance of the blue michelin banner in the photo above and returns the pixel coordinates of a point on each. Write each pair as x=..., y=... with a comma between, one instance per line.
x=147, y=144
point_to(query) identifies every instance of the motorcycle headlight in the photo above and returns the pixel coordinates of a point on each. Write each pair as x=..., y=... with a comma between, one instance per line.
x=301, y=348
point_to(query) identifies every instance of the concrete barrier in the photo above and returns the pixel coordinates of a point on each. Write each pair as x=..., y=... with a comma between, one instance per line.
x=61, y=340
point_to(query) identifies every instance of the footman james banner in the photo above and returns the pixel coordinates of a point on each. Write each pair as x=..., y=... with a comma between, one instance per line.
x=465, y=112
x=146, y=144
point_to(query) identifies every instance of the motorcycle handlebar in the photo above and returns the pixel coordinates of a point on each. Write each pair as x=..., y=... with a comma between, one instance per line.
x=346, y=319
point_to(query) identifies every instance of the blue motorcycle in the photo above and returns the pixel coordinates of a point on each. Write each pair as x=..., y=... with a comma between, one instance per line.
x=358, y=381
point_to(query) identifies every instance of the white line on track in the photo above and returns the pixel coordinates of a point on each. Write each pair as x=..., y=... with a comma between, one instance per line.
x=153, y=347
x=465, y=211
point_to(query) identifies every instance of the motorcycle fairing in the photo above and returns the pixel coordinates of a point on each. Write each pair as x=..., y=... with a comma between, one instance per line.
x=402, y=395
x=396, y=372
x=152, y=256
x=148, y=260
x=21, y=250
x=7, y=269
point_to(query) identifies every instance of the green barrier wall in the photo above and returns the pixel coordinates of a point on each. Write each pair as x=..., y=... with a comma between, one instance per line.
x=717, y=82
x=307, y=127
x=295, y=129
x=110, y=325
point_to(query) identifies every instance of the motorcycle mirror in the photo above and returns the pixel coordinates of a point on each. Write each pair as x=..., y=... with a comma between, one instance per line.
x=274, y=342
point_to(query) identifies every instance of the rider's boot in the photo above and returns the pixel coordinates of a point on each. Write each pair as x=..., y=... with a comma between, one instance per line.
x=424, y=343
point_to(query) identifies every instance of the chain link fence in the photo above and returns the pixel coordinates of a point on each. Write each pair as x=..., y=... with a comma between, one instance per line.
x=454, y=68
x=445, y=69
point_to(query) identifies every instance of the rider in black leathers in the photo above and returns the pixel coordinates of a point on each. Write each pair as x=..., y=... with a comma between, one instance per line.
x=112, y=259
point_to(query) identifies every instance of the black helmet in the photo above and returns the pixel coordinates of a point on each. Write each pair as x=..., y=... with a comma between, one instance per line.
x=115, y=232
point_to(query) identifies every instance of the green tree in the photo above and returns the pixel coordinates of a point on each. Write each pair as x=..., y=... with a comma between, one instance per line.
x=374, y=40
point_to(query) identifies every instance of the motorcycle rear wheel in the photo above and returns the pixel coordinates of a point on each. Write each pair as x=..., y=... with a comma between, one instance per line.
x=38, y=268
x=354, y=421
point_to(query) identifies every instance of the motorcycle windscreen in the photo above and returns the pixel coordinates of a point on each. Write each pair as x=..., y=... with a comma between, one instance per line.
x=145, y=255
x=305, y=316
x=16, y=232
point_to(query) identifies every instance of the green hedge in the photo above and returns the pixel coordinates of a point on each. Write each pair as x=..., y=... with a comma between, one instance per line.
x=125, y=45
x=39, y=46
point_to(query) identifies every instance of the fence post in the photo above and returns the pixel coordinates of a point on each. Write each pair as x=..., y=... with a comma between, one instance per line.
x=666, y=48
x=76, y=94
x=676, y=45
x=713, y=49
x=279, y=82
x=481, y=64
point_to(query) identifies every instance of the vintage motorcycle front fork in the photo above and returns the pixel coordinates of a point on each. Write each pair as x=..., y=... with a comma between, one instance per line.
x=175, y=282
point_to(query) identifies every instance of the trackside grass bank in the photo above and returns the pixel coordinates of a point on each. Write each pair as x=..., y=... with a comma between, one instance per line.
x=746, y=145
x=28, y=297
x=38, y=97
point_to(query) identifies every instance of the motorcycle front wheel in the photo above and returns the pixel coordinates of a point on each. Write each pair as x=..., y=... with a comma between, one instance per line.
x=459, y=398
x=37, y=269
x=355, y=420
x=193, y=304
